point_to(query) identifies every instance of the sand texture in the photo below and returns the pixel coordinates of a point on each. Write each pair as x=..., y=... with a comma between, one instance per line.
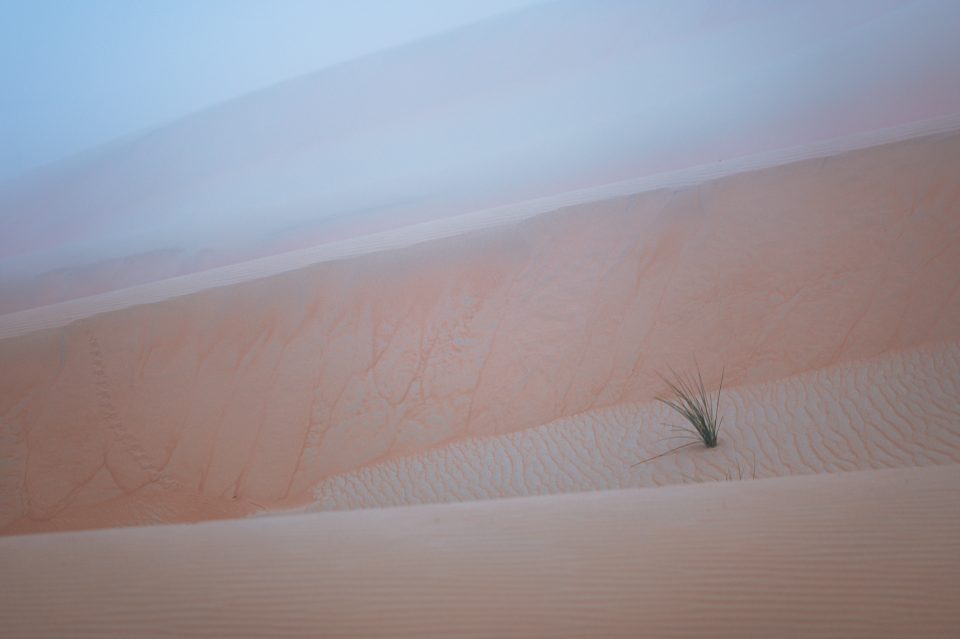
x=899, y=409
x=246, y=398
x=868, y=554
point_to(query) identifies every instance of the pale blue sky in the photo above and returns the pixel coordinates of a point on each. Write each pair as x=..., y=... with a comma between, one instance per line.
x=78, y=73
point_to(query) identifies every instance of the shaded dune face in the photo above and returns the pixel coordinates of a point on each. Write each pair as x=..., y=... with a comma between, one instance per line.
x=250, y=397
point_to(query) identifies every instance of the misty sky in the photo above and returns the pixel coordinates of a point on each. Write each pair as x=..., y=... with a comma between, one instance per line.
x=487, y=104
x=78, y=73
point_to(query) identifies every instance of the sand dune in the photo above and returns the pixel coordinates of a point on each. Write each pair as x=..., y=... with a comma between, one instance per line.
x=897, y=410
x=872, y=554
x=245, y=397
x=375, y=352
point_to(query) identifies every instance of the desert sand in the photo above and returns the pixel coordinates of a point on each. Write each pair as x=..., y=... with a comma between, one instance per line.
x=896, y=410
x=871, y=554
x=245, y=398
x=520, y=360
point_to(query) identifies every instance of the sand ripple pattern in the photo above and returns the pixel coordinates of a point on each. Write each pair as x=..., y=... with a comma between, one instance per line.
x=902, y=409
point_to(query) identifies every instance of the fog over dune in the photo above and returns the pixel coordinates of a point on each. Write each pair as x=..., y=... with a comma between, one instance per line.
x=76, y=75
x=545, y=99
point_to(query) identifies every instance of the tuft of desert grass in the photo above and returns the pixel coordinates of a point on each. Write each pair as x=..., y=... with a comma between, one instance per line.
x=689, y=398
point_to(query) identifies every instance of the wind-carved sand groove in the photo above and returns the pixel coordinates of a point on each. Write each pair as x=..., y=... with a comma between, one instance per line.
x=900, y=409
x=111, y=418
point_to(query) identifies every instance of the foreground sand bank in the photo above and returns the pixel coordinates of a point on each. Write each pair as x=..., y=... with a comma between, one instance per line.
x=866, y=554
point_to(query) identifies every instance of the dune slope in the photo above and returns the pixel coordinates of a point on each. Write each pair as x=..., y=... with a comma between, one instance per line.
x=896, y=410
x=868, y=554
x=245, y=397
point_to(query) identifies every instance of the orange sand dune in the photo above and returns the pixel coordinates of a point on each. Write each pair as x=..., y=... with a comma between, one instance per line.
x=246, y=397
x=872, y=554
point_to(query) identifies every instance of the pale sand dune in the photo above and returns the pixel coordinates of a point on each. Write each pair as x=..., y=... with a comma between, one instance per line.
x=899, y=409
x=246, y=397
x=288, y=313
x=872, y=554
